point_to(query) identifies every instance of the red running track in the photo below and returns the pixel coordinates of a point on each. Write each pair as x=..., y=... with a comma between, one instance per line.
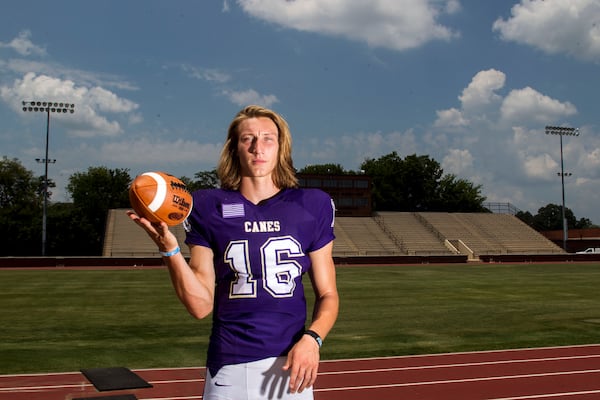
x=571, y=373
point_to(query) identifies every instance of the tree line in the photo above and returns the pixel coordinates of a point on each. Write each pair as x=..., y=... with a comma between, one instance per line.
x=76, y=228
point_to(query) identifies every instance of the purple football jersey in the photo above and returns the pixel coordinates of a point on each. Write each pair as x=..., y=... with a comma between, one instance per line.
x=260, y=254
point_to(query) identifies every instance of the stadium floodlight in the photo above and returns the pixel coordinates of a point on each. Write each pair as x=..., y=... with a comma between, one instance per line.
x=47, y=107
x=563, y=131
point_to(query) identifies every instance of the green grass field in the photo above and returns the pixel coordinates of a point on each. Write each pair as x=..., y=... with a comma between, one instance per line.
x=65, y=320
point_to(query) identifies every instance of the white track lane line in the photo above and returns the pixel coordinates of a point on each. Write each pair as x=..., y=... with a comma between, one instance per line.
x=469, y=364
x=448, y=381
x=547, y=396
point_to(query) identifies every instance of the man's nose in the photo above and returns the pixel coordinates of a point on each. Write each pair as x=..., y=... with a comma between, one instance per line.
x=255, y=147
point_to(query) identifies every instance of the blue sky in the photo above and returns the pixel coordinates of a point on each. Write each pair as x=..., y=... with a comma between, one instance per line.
x=155, y=84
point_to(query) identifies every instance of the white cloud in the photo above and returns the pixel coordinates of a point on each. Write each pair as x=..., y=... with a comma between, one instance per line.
x=138, y=152
x=135, y=118
x=206, y=74
x=555, y=26
x=393, y=24
x=23, y=45
x=591, y=162
x=457, y=161
x=22, y=66
x=479, y=101
x=226, y=7
x=250, y=96
x=86, y=121
x=107, y=101
x=481, y=90
x=517, y=162
x=91, y=124
x=539, y=166
x=527, y=105
x=351, y=150
x=453, y=6
x=450, y=118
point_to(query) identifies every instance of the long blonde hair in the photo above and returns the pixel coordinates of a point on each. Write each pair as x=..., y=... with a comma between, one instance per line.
x=229, y=168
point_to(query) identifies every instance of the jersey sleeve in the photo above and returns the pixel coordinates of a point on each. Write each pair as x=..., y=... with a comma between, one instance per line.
x=324, y=208
x=197, y=222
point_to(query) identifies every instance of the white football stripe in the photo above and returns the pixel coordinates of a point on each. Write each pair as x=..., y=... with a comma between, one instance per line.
x=161, y=191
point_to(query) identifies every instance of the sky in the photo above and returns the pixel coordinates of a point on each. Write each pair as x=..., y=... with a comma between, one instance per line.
x=470, y=83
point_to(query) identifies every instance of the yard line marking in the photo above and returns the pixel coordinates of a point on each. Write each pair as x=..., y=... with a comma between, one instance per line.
x=469, y=364
x=426, y=383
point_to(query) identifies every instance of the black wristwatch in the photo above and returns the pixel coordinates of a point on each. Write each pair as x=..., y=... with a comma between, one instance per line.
x=315, y=336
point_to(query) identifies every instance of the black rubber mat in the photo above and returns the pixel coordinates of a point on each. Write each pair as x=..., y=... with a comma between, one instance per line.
x=115, y=378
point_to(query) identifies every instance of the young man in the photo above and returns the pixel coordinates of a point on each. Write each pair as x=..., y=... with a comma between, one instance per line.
x=251, y=241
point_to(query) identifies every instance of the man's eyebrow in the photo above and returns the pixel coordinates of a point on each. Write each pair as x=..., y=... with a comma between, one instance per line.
x=258, y=133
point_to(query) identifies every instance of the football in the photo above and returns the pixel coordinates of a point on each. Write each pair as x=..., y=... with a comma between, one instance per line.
x=158, y=196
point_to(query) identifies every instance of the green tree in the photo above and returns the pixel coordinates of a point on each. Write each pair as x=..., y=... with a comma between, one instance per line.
x=459, y=195
x=526, y=217
x=204, y=180
x=418, y=183
x=64, y=230
x=94, y=193
x=584, y=223
x=20, y=210
x=549, y=218
x=420, y=179
x=387, y=176
x=18, y=186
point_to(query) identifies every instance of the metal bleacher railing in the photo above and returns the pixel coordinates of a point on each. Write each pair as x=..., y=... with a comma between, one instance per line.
x=501, y=208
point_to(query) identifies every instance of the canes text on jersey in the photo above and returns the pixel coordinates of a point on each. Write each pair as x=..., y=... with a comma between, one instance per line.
x=262, y=226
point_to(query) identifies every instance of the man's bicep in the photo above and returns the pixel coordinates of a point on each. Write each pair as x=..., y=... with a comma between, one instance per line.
x=202, y=264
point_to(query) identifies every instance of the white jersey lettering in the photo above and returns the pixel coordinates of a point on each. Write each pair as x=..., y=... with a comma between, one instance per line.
x=262, y=226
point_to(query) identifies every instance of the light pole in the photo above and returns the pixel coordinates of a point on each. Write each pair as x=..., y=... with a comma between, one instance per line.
x=47, y=107
x=563, y=131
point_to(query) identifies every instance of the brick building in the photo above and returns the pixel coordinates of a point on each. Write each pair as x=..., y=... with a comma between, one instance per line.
x=351, y=193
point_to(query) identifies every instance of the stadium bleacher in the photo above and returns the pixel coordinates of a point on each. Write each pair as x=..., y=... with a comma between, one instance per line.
x=383, y=234
x=123, y=238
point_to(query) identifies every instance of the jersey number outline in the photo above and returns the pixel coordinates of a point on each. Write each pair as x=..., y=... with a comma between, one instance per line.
x=279, y=275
